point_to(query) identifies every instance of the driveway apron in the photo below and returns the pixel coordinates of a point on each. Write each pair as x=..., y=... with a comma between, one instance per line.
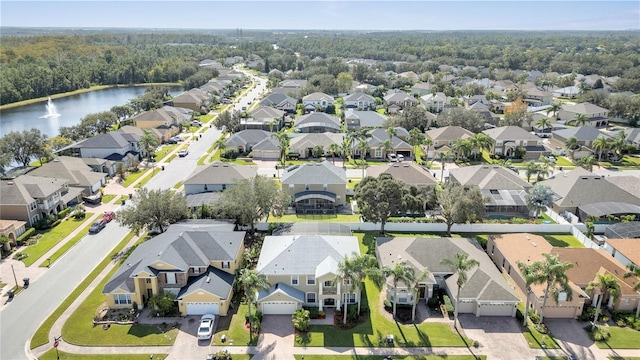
x=276, y=338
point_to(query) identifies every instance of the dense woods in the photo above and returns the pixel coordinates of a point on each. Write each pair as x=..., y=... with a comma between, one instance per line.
x=36, y=66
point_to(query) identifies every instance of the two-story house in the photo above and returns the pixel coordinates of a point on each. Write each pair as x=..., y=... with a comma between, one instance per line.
x=114, y=146
x=585, y=136
x=302, y=271
x=398, y=100
x=75, y=171
x=194, y=261
x=434, y=103
x=317, y=122
x=265, y=118
x=596, y=116
x=443, y=139
x=316, y=188
x=537, y=97
x=509, y=141
x=194, y=99
x=359, y=101
x=32, y=198
x=315, y=100
x=280, y=102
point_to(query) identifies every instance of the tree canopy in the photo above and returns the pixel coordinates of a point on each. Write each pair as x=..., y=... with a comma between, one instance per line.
x=23, y=146
x=379, y=198
x=154, y=210
x=461, y=204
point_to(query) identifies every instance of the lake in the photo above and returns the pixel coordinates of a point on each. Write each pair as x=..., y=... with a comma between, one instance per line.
x=70, y=110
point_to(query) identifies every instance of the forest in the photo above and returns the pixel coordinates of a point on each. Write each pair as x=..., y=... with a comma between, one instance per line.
x=35, y=65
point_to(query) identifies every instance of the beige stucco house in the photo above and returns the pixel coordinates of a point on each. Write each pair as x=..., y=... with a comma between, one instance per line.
x=316, y=188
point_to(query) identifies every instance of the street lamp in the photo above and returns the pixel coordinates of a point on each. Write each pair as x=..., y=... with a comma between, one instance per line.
x=49, y=260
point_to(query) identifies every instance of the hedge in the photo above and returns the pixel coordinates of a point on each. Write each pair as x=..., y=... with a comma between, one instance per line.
x=26, y=235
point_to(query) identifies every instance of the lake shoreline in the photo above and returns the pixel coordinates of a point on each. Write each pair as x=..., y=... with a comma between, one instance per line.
x=79, y=91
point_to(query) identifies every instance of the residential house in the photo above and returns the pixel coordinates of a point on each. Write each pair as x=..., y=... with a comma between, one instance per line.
x=243, y=141
x=623, y=230
x=196, y=262
x=114, y=146
x=504, y=189
x=377, y=139
x=75, y=171
x=570, y=92
x=317, y=100
x=280, y=102
x=408, y=173
x=316, y=188
x=633, y=137
x=316, y=122
x=194, y=99
x=400, y=99
x=597, y=116
x=230, y=74
x=217, y=176
x=537, y=97
x=434, y=103
x=486, y=293
x=265, y=118
x=625, y=250
x=359, y=101
x=506, y=250
x=32, y=198
x=304, y=144
x=101, y=165
x=166, y=119
x=585, y=135
x=12, y=229
x=356, y=119
x=409, y=75
x=510, y=141
x=484, y=110
x=470, y=100
x=302, y=270
x=443, y=139
x=422, y=88
x=210, y=63
x=161, y=134
x=582, y=192
x=267, y=149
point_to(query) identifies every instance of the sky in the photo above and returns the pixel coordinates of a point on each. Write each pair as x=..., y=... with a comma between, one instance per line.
x=327, y=15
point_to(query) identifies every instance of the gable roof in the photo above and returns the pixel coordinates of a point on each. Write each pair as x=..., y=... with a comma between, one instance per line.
x=488, y=177
x=317, y=96
x=276, y=99
x=302, y=254
x=584, y=133
x=630, y=248
x=378, y=136
x=317, y=119
x=266, y=112
x=584, y=108
x=449, y=133
x=315, y=173
x=306, y=141
x=409, y=174
x=267, y=144
x=249, y=136
x=110, y=140
x=73, y=169
x=359, y=97
x=510, y=133
x=26, y=188
x=213, y=281
x=219, y=172
x=365, y=118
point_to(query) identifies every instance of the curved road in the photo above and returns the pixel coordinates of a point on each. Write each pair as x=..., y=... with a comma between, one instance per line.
x=22, y=317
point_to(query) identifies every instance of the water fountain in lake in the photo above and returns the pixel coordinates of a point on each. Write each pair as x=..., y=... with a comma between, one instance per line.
x=52, y=112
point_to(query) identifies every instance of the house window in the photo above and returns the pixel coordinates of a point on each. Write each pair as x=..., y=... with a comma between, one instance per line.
x=311, y=297
x=196, y=270
x=311, y=280
x=504, y=261
x=325, y=187
x=122, y=299
x=33, y=206
x=352, y=297
x=306, y=187
x=224, y=186
x=294, y=280
x=171, y=278
x=148, y=280
x=346, y=282
x=291, y=186
x=226, y=265
x=378, y=152
x=328, y=283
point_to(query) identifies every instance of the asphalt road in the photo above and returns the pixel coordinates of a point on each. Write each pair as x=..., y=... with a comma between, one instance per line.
x=22, y=317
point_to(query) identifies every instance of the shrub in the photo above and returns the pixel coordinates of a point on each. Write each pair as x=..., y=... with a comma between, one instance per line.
x=63, y=213
x=387, y=304
x=535, y=318
x=447, y=304
x=20, y=256
x=600, y=333
x=519, y=221
x=604, y=319
x=541, y=328
x=621, y=323
x=519, y=315
x=352, y=312
x=588, y=314
x=47, y=222
x=79, y=212
x=476, y=344
x=433, y=302
x=26, y=235
x=313, y=312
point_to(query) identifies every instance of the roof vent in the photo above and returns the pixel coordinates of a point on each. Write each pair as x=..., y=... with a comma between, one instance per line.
x=160, y=253
x=528, y=238
x=276, y=286
x=534, y=244
x=208, y=279
x=10, y=183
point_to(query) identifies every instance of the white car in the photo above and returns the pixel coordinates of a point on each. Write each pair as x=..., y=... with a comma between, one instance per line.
x=183, y=153
x=392, y=158
x=205, y=330
x=400, y=157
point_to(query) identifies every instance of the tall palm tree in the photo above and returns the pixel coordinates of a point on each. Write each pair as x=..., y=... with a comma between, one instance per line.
x=579, y=120
x=554, y=108
x=531, y=274
x=148, y=142
x=252, y=282
x=572, y=144
x=363, y=147
x=401, y=272
x=416, y=287
x=222, y=146
x=606, y=284
x=544, y=123
x=428, y=142
x=555, y=273
x=442, y=157
x=599, y=145
x=347, y=276
x=542, y=171
x=283, y=143
x=391, y=131
x=634, y=271
x=531, y=168
x=334, y=149
x=386, y=147
x=460, y=266
x=367, y=268
x=587, y=162
x=481, y=142
x=416, y=138
x=619, y=142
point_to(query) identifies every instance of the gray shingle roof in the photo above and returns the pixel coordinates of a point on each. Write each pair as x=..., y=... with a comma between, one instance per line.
x=409, y=174
x=275, y=99
x=318, y=119
x=378, y=136
x=449, y=133
x=213, y=281
x=510, y=133
x=584, y=133
x=219, y=172
x=267, y=144
x=359, y=97
x=110, y=140
x=317, y=96
x=244, y=137
x=370, y=119
x=26, y=188
x=71, y=168
x=489, y=177
x=315, y=173
x=305, y=141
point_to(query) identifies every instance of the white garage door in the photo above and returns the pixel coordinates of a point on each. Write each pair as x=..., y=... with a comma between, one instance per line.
x=201, y=308
x=279, y=307
x=496, y=309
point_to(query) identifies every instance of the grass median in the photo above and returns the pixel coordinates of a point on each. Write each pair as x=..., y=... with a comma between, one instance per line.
x=68, y=245
x=53, y=355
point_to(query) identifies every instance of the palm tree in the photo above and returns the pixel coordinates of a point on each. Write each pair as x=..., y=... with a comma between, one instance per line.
x=416, y=138
x=579, y=120
x=367, y=268
x=386, y=147
x=555, y=273
x=222, y=146
x=554, y=108
x=543, y=123
x=443, y=157
x=599, y=145
x=283, y=143
x=334, y=149
x=416, y=287
x=606, y=284
x=531, y=168
x=459, y=148
x=148, y=142
x=619, y=142
x=460, y=266
x=542, y=171
x=481, y=142
x=572, y=144
x=428, y=142
x=363, y=147
x=301, y=320
x=587, y=162
x=401, y=272
x=252, y=282
x=391, y=131
x=531, y=274
x=634, y=271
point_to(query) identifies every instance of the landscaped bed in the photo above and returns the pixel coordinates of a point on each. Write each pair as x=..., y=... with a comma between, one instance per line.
x=51, y=355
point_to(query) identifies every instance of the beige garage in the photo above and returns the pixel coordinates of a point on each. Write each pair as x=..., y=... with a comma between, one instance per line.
x=279, y=307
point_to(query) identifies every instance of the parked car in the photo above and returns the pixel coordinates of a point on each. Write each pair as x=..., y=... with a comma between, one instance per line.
x=392, y=158
x=400, y=157
x=174, y=140
x=93, y=199
x=205, y=330
x=97, y=226
x=108, y=216
x=183, y=153
x=196, y=123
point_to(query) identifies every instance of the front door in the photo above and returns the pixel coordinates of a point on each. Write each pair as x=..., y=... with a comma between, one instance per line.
x=421, y=292
x=330, y=302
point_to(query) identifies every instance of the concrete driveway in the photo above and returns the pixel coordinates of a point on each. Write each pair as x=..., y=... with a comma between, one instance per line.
x=499, y=337
x=276, y=338
x=573, y=339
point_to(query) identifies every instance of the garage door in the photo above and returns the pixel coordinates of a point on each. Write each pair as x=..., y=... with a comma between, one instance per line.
x=201, y=308
x=496, y=309
x=279, y=307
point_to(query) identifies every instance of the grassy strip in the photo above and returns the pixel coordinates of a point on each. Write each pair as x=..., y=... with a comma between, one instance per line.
x=146, y=179
x=108, y=197
x=382, y=357
x=178, y=185
x=132, y=177
x=52, y=355
x=68, y=245
x=50, y=238
x=203, y=159
x=41, y=336
x=164, y=151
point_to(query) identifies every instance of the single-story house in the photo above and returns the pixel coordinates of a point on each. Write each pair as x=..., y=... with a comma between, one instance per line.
x=243, y=141
x=408, y=173
x=217, y=176
x=356, y=119
x=304, y=144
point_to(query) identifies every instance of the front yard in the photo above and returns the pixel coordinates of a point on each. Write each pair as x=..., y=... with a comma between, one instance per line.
x=232, y=326
x=621, y=338
x=51, y=355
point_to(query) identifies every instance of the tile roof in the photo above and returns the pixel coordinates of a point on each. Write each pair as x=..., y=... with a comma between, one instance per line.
x=219, y=172
x=630, y=248
x=409, y=174
x=315, y=173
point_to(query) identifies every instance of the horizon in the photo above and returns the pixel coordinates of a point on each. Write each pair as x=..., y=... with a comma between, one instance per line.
x=470, y=15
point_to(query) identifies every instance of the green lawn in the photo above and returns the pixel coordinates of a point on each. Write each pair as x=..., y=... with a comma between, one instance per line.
x=562, y=240
x=292, y=218
x=178, y=185
x=64, y=248
x=233, y=327
x=627, y=162
x=544, y=217
x=108, y=197
x=536, y=339
x=51, y=355
x=623, y=358
x=563, y=161
x=621, y=338
x=146, y=179
x=41, y=335
x=379, y=357
x=133, y=177
x=164, y=151
x=50, y=238
x=351, y=184
x=79, y=330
